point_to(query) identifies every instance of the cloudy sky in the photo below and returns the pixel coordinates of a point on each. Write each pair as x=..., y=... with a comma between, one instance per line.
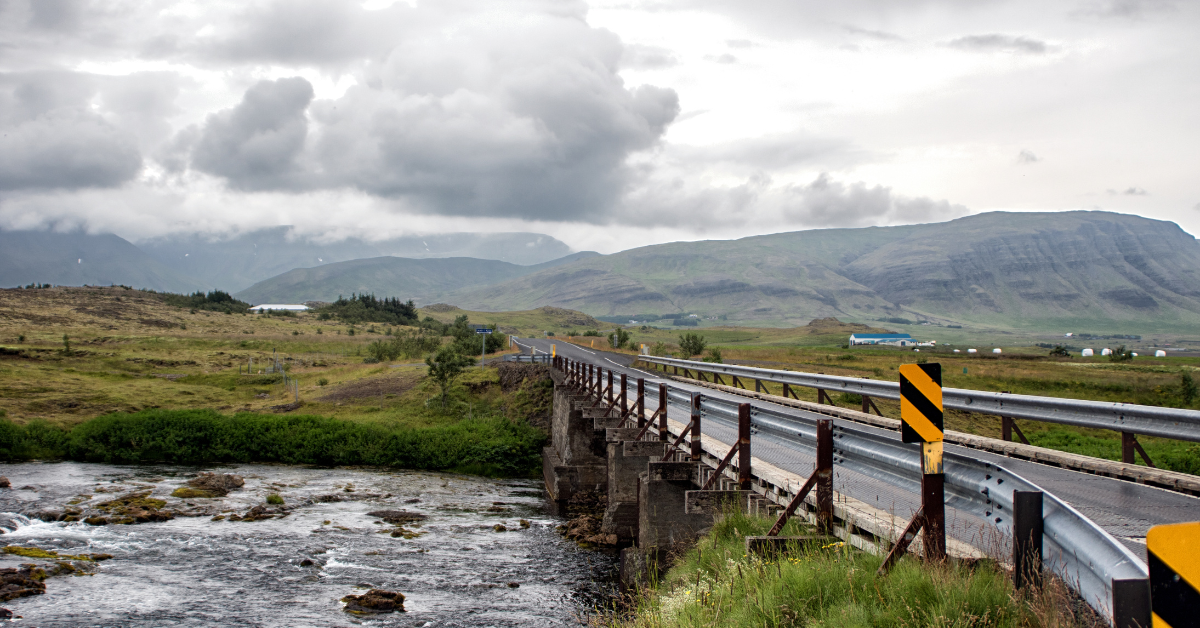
x=608, y=124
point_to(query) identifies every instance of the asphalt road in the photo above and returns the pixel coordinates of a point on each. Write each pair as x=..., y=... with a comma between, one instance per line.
x=1124, y=509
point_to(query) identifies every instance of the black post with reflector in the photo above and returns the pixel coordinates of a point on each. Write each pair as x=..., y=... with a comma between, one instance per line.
x=922, y=422
x=1173, y=555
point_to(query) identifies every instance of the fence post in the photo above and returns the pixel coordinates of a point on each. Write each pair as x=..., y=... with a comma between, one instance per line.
x=610, y=387
x=641, y=402
x=1027, y=539
x=825, y=476
x=624, y=400
x=744, y=447
x=696, y=449
x=1006, y=424
x=1127, y=450
x=663, y=434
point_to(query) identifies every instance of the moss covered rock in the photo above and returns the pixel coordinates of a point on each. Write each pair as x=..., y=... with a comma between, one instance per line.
x=375, y=601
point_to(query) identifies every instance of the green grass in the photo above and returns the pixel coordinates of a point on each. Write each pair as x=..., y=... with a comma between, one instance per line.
x=828, y=584
x=1166, y=454
x=204, y=436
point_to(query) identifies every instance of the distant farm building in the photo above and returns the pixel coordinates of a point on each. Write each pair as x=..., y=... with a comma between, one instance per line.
x=279, y=307
x=892, y=340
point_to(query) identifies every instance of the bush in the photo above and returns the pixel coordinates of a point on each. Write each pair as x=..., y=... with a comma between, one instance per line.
x=591, y=332
x=1187, y=388
x=714, y=356
x=407, y=345
x=1060, y=351
x=274, y=499
x=1120, y=354
x=323, y=381
x=691, y=344
x=206, y=437
x=618, y=339
x=365, y=308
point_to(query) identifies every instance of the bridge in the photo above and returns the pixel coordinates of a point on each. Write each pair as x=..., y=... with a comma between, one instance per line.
x=662, y=448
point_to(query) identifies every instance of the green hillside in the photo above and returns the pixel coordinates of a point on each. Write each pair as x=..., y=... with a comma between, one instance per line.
x=423, y=280
x=1079, y=270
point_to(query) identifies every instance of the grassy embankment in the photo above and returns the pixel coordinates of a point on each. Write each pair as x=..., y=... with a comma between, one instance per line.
x=1020, y=370
x=828, y=584
x=165, y=383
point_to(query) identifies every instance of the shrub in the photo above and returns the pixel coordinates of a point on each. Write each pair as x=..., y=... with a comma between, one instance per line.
x=714, y=356
x=591, y=332
x=1060, y=351
x=1120, y=354
x=323, y=381
x=445, y=367
x=618, y=339
x=274, y=499
x=691, y=344
x=1187, y=388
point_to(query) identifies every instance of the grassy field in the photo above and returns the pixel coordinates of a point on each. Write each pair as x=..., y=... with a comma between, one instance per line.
x=1020, y=370
x=128, y=351
x=824, y=583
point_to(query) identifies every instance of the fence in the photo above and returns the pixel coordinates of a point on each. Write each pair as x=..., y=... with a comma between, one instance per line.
x=1129, y=419
x=1104, y=572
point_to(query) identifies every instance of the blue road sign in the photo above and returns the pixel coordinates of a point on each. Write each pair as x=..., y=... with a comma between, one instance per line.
x=483, y=330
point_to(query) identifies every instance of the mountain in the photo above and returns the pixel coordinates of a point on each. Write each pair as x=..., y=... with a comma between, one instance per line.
x=76, y=259
x=238, y=262
x=423, y=280
x=1014, y=270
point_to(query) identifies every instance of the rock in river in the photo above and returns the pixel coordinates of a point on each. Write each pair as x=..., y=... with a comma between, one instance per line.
x=397, y=517
x=375, y=601
x=212, y=485
x=15, y=583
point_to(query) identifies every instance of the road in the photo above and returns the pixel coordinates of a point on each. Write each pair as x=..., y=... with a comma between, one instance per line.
x=1124, y=509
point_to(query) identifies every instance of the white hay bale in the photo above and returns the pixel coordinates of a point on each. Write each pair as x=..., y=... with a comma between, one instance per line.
x=1160, y=354
x=1087, y=353
x=1106, y=351
x=997, y=350
x=971, y=351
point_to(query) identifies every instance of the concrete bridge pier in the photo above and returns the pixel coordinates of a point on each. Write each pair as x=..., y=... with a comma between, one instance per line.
x=627, y=459
x=575, y=461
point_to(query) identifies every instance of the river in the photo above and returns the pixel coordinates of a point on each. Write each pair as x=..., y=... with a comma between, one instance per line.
x=193, y=571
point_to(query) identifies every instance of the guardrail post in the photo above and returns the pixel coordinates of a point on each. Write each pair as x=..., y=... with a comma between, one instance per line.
x=696, y=450
x=1131, y=603
x=1027, y=539
x=825, y=476
x=610, y=387
x=663, y=434
x=624, y=399
x=641, y=402
x=1128, y=441
x=1006, y=424
x=744, y=447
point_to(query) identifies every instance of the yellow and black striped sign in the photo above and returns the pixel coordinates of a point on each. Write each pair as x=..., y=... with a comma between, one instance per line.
x=921, y=403
x=1174, y=557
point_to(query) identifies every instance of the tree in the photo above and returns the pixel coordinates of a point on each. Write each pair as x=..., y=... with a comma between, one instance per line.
x=714, y=356
x=1120, y=354
x=1060, y=351
x=691, y=344
x=1187, y=388
x=618, y=339
x=445, y=366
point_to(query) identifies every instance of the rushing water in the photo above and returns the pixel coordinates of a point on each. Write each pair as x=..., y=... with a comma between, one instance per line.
x=192, y=571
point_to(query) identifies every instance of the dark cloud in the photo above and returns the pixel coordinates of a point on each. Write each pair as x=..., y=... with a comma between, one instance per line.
x=57, y=15
x=1027, y=157
x=829, y=203
x=53, y=134
x=66, y=149
x=461, y=118
x=639, y=57
x=255, y=145
x=999, y=43
x=872, y=34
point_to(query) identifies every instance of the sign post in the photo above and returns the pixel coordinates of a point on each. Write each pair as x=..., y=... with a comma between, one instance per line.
x=1174, y=560
x=922, y=422
x=482, y=331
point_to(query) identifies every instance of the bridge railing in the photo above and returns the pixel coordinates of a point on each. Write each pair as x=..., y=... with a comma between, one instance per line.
x=1100, y=568
x=1129, y=419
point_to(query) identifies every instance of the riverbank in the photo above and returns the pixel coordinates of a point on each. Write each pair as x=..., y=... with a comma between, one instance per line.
x=828, y=584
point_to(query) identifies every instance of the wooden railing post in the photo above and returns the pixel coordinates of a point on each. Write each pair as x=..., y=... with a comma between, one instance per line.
x=663, y=434
x=641, y=402
x=624, y=399
x=825, y=476
x=744, y=477
x=697, y=451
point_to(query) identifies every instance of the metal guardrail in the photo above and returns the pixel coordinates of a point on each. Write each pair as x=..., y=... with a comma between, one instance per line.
x=543, y=358
x=1080, y=552
x=1123, y=417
